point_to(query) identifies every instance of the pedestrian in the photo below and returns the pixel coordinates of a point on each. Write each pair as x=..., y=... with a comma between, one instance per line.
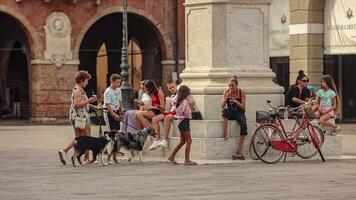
x=157, y=108
x=78, y=112
x=184, y=115
x=328, y=102
x=113, y=103
x=233, y=105
x=17, y=102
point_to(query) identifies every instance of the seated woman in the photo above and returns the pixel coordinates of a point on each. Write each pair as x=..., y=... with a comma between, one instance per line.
x=328, y=102
x=158, y=103
x=299, y=93
x=234, y=100
x=130, y=122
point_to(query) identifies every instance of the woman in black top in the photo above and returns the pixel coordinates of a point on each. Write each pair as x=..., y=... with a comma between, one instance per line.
x=234, y=100
x=299, y=93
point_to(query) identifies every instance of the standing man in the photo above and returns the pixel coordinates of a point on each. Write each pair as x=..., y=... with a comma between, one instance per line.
x=113, y=103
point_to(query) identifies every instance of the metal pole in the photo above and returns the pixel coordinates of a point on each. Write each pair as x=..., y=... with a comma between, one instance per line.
x=125, y=86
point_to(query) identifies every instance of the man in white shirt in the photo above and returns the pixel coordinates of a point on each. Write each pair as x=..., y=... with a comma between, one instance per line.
x=113, y=103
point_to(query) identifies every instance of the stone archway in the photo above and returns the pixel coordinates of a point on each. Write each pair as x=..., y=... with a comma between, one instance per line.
x=165, y=41
x=15, y=59
x=30, y=31
x=140, y=28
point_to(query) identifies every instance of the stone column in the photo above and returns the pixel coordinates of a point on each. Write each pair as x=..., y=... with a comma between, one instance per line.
x=306, y=39
x=225, y=38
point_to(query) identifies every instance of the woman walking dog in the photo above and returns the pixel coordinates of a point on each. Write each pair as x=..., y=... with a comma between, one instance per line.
x=78, y=112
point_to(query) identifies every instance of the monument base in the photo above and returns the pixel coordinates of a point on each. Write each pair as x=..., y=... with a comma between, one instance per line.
x=208, y=142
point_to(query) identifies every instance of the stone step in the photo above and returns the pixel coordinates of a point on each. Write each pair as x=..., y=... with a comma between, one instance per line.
x=208, y=129
x=219, y=149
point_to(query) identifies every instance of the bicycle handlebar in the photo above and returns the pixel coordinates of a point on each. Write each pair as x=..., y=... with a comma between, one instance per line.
x=283, y=107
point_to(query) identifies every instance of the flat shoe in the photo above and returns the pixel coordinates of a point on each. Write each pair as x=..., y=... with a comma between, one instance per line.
x=238, y=157
x=62, y=154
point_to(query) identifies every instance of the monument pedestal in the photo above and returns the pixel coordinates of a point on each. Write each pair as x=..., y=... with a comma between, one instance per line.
x=225, y=38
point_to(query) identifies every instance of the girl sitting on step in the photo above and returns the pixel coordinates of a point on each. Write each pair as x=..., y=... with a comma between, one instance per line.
x=328, y=102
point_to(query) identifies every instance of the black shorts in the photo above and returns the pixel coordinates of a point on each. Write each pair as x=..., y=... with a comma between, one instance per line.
x=156, y=111
x=184, y=126
x=239, y=117
x=114, y=125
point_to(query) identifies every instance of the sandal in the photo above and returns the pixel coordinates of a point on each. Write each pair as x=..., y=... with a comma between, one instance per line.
x=336, y=131
x=190, y=163
x=173, y=161
x=238, y=157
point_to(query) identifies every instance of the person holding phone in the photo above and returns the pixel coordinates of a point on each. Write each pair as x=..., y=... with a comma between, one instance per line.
x=157, y=108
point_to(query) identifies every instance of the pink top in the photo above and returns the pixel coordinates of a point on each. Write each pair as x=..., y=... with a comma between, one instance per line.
x=183, y=111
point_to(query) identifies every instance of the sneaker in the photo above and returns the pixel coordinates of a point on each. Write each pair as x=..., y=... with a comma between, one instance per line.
x=163, y=143
x=336, y=131
x=154, y=145
x=62, y=156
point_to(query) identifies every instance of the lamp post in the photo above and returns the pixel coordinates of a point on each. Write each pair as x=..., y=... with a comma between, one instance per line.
x=125, y=86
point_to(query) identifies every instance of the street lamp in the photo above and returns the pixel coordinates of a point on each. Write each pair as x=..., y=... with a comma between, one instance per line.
x=125, y=86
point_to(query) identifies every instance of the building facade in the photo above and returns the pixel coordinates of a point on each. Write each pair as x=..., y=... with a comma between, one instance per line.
x=319, y=37
x=44, y=42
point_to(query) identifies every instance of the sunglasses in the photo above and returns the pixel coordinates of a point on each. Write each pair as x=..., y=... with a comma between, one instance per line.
x=305, y=81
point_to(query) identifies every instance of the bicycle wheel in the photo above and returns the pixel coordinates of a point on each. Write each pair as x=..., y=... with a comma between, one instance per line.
x=306, y=148
x=252, y=153
x=262, y=143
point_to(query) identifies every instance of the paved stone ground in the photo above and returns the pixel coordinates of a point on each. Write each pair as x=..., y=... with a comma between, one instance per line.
x=30, y=169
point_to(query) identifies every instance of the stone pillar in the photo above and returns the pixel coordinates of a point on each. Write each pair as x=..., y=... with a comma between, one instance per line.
x=306, y=39
x=50, y=90
x=225, y=38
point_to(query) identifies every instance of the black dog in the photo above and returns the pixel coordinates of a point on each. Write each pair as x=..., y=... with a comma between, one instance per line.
x=131, y=142
x=96, y=145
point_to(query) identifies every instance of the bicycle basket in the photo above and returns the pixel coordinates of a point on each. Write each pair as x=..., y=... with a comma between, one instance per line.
x=309, y=112
x=262, y=116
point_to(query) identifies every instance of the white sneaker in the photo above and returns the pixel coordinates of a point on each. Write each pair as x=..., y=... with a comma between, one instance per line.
x=62, y=156
x=154, y=145
x=163, y=143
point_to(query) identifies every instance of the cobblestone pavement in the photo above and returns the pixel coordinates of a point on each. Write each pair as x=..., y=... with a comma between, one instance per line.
x=30, y=169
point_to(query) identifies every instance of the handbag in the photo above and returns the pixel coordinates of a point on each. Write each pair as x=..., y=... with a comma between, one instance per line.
x=79, y=122
x=196, y=116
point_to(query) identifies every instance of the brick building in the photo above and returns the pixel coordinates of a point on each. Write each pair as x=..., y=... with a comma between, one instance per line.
x=44, y=42
x=40, y=56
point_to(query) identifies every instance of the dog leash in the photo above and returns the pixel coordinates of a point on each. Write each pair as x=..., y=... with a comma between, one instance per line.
x=102, y=109
x=129, y=125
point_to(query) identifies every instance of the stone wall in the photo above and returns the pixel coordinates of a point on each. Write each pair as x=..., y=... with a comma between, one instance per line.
x=50, y=90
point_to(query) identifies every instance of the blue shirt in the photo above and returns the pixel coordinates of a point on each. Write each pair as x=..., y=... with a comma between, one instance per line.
x=326, y=97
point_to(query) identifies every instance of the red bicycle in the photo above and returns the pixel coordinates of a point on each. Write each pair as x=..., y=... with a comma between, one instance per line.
x=271, y=141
